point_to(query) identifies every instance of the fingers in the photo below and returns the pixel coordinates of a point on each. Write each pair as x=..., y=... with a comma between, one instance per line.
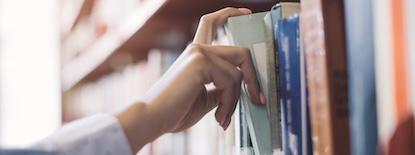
x=226, y=66
x=226, y=78
x=208, y=24
x=242, y=58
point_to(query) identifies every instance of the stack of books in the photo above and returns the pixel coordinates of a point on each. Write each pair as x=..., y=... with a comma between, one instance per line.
x=338, y=76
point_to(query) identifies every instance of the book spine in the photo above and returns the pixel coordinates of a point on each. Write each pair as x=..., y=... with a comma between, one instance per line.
x=290, y=83
x=324, y=42
x=273, y=95
x=313, y=44
x=307, y=144
x=334, y=28
x=361, y=73
x=275, y=16
x=384, y=72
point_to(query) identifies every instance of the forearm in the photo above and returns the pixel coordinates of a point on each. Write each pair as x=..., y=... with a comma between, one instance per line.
x=143, y=123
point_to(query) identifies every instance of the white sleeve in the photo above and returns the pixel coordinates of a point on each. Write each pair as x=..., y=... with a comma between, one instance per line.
x=96, y=135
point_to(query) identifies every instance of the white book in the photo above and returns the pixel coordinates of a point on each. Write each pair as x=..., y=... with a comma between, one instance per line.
x=384, y=70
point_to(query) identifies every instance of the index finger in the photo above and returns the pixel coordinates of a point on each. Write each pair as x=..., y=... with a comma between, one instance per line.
x=208, y=24
x=222, y=15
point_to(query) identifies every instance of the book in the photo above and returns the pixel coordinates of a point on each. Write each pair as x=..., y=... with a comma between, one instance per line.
x=307, y=144
x=249, y=31
x=279, y=11
x=395, y=116
x=290, y=83
x=361, y=76
x=323, y=35
x=273, y=108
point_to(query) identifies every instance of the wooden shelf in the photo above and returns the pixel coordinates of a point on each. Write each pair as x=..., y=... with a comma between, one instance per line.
x=106, y=45
x=148, y=27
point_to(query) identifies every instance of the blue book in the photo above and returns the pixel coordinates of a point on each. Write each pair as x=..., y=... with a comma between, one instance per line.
x=290, y=83
x=280, y=11
x=361, y=72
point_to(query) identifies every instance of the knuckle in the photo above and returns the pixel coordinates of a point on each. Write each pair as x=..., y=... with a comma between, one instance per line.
x=199, y=59
x=195, y=48
x=196, y=53
x=206, y=18
x=229, y=8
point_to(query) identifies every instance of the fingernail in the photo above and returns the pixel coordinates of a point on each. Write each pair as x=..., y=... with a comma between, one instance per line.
x=245, y=10
x=262, y=98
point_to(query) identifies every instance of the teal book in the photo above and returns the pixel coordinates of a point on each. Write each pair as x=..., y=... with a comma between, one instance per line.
x=250, y=31
x=361, y=72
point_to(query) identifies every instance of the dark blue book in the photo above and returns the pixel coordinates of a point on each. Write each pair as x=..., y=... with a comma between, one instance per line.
x=290, y=83
x=361, y=72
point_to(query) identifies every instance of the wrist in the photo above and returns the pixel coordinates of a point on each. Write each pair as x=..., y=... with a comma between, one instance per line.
x=129, y=122
x=140, y=125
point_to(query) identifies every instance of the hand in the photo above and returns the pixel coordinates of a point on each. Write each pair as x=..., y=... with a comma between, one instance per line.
x=182, y=92
x=180, y=99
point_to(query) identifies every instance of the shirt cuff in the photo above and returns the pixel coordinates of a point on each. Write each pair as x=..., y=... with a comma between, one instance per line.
x=100, y=134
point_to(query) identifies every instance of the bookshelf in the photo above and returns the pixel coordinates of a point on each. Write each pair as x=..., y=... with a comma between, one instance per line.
x=339, y=75
x=142, y=29
x=122, y=63
x=88, y=63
